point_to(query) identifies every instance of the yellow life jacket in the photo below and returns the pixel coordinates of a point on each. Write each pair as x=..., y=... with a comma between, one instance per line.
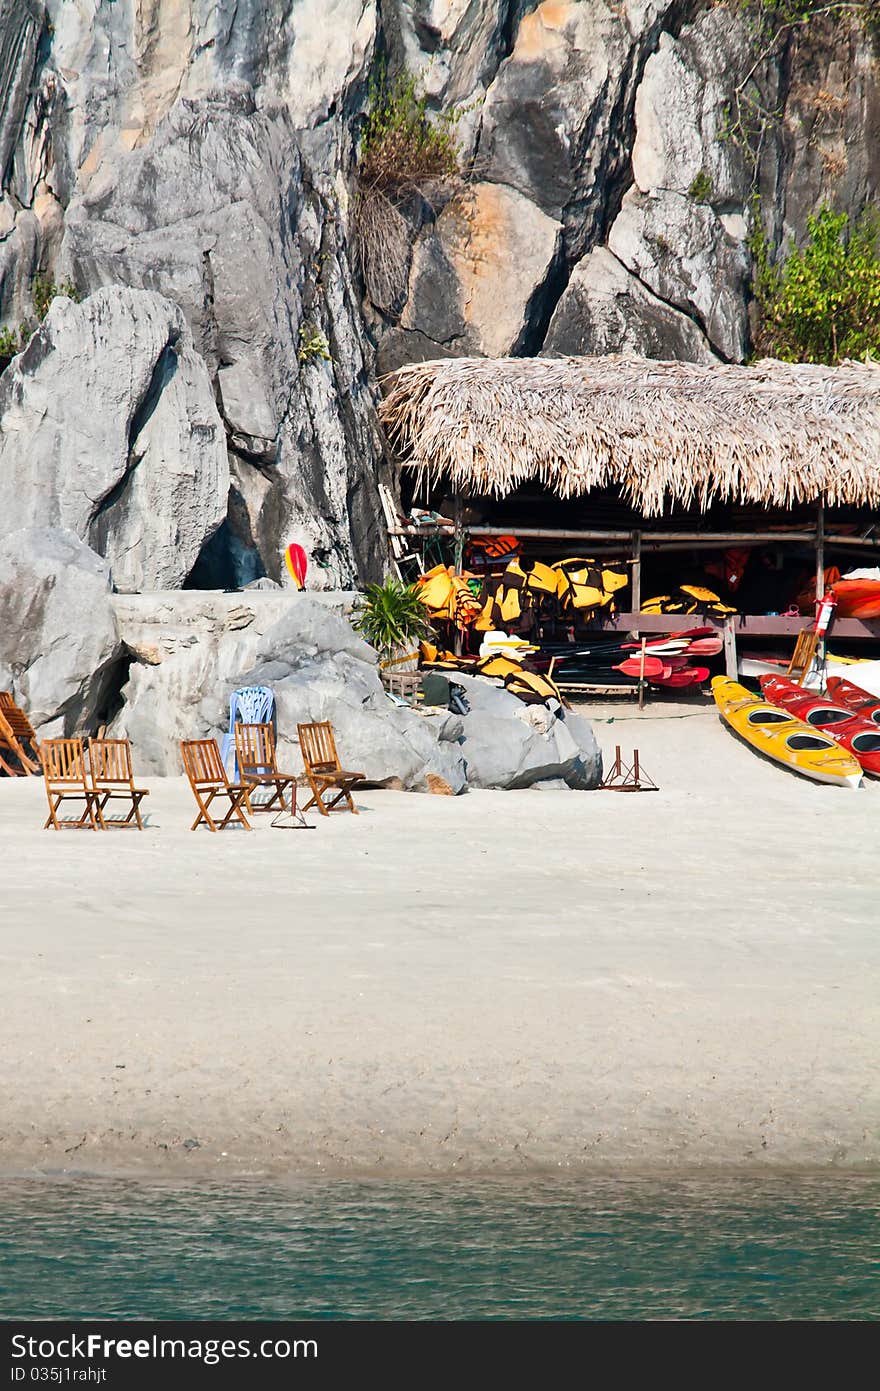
x=587, y=584
x=530, y=686
x=536, y=577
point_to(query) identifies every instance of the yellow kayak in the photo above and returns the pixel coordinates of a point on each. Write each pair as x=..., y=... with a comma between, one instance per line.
x=781, y=736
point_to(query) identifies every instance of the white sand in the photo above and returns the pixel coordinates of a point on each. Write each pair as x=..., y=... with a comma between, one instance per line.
x=499, y=981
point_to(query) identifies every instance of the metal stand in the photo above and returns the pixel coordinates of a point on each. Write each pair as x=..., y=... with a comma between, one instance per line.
x=623, y=778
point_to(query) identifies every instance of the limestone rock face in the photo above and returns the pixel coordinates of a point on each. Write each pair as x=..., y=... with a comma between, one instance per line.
x=108, y=428
x=692, y=259
x=216, y=210
x=681, y=112
x=605, y=309
x=830, y=131
x=59, y=641
x=249, y=417
x=206, y=150
x=556, y=114
x=475, y=280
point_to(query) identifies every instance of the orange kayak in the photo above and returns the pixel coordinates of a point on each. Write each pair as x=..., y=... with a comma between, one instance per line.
x=857, y=598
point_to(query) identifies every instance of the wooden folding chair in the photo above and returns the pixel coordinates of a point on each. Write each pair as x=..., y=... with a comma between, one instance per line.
x=112, y=777
x=257, y=767
x=322, y=767
x=17, y=735
x=207, y=778
x=13, y=759
x=64, y=770
x=803, y=656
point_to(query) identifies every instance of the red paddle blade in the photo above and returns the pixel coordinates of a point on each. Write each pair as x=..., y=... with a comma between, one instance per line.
x=633, y=666
x=705, y=647
x=690, y=676
x=297, y=563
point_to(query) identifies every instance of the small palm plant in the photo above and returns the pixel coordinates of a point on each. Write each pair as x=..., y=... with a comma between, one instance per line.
x=391, y=617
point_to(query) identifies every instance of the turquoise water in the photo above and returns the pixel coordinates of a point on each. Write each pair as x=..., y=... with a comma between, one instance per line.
x=583, y=1248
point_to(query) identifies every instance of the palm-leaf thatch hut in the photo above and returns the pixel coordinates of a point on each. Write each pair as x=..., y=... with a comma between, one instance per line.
x=766, y=449
x=775, y=433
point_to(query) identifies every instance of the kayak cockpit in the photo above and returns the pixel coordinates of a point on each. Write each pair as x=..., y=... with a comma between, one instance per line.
x=768, y=716
x=800, y=743
x=825, y=715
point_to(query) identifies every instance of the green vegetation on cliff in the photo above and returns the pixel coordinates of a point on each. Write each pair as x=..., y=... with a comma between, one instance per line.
x=43, y=291
x=822, y=303
x=401, y=146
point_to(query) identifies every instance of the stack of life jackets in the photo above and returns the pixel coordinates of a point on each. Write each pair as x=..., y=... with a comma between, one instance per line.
x=587, y=585
x=449, y=597
x=529, y=591
x=532, y=687
x=521, y=594
x=688, y=598
x=484, y=552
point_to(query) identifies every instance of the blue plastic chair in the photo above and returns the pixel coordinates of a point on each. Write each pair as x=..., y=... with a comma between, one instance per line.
x=247, y=705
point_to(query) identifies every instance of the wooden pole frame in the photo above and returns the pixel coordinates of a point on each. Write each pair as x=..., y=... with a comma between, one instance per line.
x=653, y=540
x=820, y=571
x=636, y=582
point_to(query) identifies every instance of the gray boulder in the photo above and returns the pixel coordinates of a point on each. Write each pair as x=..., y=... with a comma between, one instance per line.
x=605, y=309
x=191, y=651
x=108, y=429
x=189, y=658
x=59, y=641
x=508, y=744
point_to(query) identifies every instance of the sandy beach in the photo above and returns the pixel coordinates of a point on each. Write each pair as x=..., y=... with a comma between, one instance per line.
x=497, y=982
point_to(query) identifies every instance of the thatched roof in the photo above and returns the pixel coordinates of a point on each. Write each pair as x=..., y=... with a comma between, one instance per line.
x=774, y=433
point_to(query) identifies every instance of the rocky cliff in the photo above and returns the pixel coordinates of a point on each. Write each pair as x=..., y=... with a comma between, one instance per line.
x=189, y=167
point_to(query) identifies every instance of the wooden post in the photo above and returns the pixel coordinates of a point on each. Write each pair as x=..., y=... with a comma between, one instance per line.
x=459, y=535
x=820, y=572
x=637, y=572
x=731, y=665
x=820, y=550
x=642, y=674
x=458, y=556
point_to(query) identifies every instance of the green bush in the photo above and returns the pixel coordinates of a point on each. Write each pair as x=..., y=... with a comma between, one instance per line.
x=774, y=15
x=821, y=304
x=391, y=616
x=401, y=146
x=43, y=291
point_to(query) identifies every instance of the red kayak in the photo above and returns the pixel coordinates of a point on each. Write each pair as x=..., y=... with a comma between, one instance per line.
x=854, y=698
x=860, y=736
